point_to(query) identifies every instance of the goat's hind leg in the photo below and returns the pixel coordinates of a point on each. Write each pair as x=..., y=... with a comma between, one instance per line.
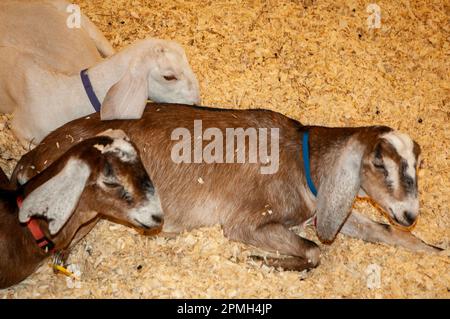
x=359, y=226
x=274, y=237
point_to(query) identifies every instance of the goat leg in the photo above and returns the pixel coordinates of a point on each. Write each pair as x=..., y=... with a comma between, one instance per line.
x=359, y=226
x=61, y=256
x=275, y=237
x=83, y=231
x=287, y=263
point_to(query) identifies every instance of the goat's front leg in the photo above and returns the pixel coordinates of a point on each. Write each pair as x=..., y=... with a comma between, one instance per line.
x=83, y=231
x=274, y=237
x=61, y=256
x=359, y=226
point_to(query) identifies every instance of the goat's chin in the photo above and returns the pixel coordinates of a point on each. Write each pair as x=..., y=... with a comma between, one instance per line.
x=389, y=214
x=151, y=231
x=399, y=224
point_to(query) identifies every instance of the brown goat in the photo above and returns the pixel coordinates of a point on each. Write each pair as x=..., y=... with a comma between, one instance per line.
x=257, y=208
x=101, y=176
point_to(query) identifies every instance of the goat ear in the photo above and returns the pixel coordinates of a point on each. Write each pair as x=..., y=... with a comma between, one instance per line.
x=58, y=197
x=337, y=191
x=127, y=98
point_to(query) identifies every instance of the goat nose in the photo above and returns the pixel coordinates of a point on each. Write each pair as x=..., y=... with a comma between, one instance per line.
x=409, y=217
x=157, y=219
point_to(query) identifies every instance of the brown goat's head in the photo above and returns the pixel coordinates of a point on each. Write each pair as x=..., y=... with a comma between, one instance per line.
x=389, y=177
x=103, y=175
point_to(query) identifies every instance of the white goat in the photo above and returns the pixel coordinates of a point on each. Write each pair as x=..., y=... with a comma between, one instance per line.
x=41, y=59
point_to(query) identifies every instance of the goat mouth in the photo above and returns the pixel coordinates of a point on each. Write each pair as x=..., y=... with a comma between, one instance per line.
x=389, y=214
x=398, y=223
x=143, y=225
x=146, y=229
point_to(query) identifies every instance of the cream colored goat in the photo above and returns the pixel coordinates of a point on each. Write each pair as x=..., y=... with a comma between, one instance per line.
x=41, y=59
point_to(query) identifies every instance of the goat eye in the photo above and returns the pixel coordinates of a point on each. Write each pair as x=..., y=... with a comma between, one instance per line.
x=170, y=77
x=112, y=184
x=379, y=166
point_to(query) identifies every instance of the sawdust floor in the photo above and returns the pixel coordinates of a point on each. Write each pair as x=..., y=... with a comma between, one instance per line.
x=314, y=61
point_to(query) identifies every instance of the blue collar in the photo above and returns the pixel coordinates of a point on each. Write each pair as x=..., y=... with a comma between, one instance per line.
x=305, y=153
x=89, y=90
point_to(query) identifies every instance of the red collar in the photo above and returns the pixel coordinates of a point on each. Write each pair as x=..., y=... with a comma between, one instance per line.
x=33, y=226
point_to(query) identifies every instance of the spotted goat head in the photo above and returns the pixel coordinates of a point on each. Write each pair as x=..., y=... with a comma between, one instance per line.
x=389, y=177
x=102, y=176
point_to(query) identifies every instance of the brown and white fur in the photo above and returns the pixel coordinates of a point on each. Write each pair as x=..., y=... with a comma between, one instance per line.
x=101, y=176
x=41, y=59
x=376, y=161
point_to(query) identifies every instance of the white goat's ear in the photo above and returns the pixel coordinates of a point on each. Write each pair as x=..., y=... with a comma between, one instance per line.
x=337, y=191
x=58, y=197
x=127, y=98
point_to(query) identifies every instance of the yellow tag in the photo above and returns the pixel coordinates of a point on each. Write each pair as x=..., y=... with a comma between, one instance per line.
x=63, y=271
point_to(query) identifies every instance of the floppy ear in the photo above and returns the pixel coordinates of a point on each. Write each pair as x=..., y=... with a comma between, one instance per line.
x=58, y=197
x=127, y=98
x=337, y=191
